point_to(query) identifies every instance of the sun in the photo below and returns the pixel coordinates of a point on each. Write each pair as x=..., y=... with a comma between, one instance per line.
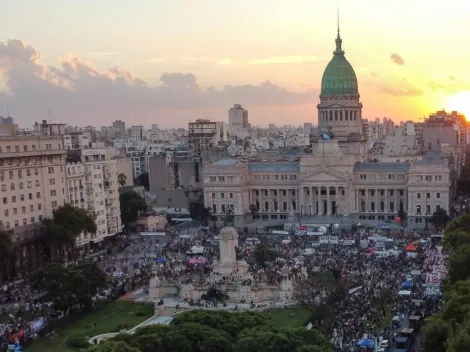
x=460, y=102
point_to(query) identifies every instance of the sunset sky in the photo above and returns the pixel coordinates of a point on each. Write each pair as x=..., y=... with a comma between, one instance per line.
x=168, y=62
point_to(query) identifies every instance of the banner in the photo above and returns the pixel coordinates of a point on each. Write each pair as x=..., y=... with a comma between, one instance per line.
x=329, y=239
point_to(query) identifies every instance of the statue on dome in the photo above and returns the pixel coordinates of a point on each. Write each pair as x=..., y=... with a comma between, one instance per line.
x=327, y=135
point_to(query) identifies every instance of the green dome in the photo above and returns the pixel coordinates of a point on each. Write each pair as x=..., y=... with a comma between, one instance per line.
x=339, y=77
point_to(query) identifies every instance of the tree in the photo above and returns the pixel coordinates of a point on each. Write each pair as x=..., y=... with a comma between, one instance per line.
x=69, y=286
x=206, y=216
x=60, y=232
x=229, y=218
x=435, y=334
x=122, y=179
x=455, y=239
x=143, y=180
x=459, y=264
x=7, y=256
x=440, y=218
x=113, y=346
x=402, y=215
x=131, y=204
x=220, y=331
x=253, y=210
x=322, y=293
x=264, y=255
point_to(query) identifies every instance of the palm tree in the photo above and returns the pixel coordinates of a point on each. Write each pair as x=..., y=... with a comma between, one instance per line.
x=7, y=256
x=122, y=179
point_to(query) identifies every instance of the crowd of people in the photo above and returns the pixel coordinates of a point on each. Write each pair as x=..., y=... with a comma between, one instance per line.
x=137, y=258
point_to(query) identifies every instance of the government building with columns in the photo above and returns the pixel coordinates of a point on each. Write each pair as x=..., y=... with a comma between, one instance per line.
x=336, y=179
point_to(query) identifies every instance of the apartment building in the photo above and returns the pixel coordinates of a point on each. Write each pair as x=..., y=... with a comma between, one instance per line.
x=92, y=176
x=32, y=185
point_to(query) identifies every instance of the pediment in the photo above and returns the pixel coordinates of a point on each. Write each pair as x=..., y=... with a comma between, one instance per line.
x=324, y=173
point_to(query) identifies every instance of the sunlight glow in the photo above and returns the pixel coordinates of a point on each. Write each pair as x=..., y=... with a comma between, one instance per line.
x=461, y=103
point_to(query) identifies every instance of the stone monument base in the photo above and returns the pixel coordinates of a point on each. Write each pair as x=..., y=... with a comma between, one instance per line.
x=238, y=268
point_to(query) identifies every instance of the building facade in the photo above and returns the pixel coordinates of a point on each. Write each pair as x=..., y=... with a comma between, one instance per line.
x=32, y=185
x=334, y=180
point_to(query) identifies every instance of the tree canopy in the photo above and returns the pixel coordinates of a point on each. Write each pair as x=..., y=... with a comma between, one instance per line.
x=122, y=179
x=217, y=331
x=131, y=204
x=440, y=218
x=143, y=180
x=264, y=254
x=449, y=330
x=62, y=230
x=69, y=286
x=7, y=256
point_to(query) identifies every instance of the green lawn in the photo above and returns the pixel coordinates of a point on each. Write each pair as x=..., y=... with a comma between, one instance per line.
x=282, y=318
x=107, y=319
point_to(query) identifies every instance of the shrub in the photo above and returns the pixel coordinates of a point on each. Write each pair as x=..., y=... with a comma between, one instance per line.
x=140, y=314
x=77, y=342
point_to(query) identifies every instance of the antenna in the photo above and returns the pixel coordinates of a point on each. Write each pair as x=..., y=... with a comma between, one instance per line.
x=337, y=15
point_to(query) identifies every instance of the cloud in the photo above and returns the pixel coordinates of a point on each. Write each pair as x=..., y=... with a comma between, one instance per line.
x=157, y=60
x=452, y=86
x=402, y=91
x=103, y=54
x=396, y=58
x=436, y=87
x=284, y=60
x=78, y=93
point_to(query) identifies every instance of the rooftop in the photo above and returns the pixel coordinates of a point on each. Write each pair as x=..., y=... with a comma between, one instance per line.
x=227, y=162
x=382, y=167
x=274, y=166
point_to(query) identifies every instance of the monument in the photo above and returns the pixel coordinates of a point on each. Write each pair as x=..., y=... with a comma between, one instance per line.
x=229, y=261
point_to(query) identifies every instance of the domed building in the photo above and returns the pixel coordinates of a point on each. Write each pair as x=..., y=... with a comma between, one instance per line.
x=340, y=110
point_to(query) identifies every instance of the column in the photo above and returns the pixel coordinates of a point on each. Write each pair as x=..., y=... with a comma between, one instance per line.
x=338, y=203
x=328, y=201
x=397, y=203
x=279, y=205
x=313, y=198
x=377, y=208
x=320, y=201
x=367, y=200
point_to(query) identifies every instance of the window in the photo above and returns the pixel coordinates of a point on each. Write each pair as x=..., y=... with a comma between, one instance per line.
x=17, y=148
x=7, y=224
x=11, y=175
x=23, y=210
x=53, y=193
x=31, y=208
x=6, y=212
x=37, y=183
x=428, y=195
x=418, y=195
x=230, y=195
x=438, y=195
x=38, y=195
x=17, y=223
x=30, y=196
x=32, y=219
x=20, y=185
x=15, y=211
x=52, y=181
x=362, y=176
x=20, y=173
x=36, y=171
x=13, y=199
x=54, y=204
x=222, y=195
x=12, y=186
x=25, y=221
x=39, y=206
x=21, y=197
x=28, y=172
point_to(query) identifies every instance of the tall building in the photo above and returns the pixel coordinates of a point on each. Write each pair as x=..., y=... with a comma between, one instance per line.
x=120, y=127
x=201, y=136
x=101, y=189
x=238, y=121
x=136, y=132
x=33, y=184
x=340, y=109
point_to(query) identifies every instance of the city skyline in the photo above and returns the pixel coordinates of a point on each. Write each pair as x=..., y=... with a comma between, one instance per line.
x=179, y=62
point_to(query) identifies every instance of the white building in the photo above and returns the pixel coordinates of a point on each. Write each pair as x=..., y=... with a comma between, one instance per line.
x=333, y=180
x=96, y=172
x=136, y=132
x=238, y=122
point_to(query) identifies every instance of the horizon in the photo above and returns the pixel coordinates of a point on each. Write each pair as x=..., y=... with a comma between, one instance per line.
x=144, y=65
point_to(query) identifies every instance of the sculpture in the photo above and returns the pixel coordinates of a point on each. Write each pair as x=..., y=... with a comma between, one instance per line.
x=328, y=135
x=229, y=218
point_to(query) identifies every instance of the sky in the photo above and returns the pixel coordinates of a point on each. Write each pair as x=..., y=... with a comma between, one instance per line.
x=169, y=62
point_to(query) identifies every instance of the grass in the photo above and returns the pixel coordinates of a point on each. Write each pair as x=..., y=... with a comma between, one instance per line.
x=289, y=317
x=106, y=318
